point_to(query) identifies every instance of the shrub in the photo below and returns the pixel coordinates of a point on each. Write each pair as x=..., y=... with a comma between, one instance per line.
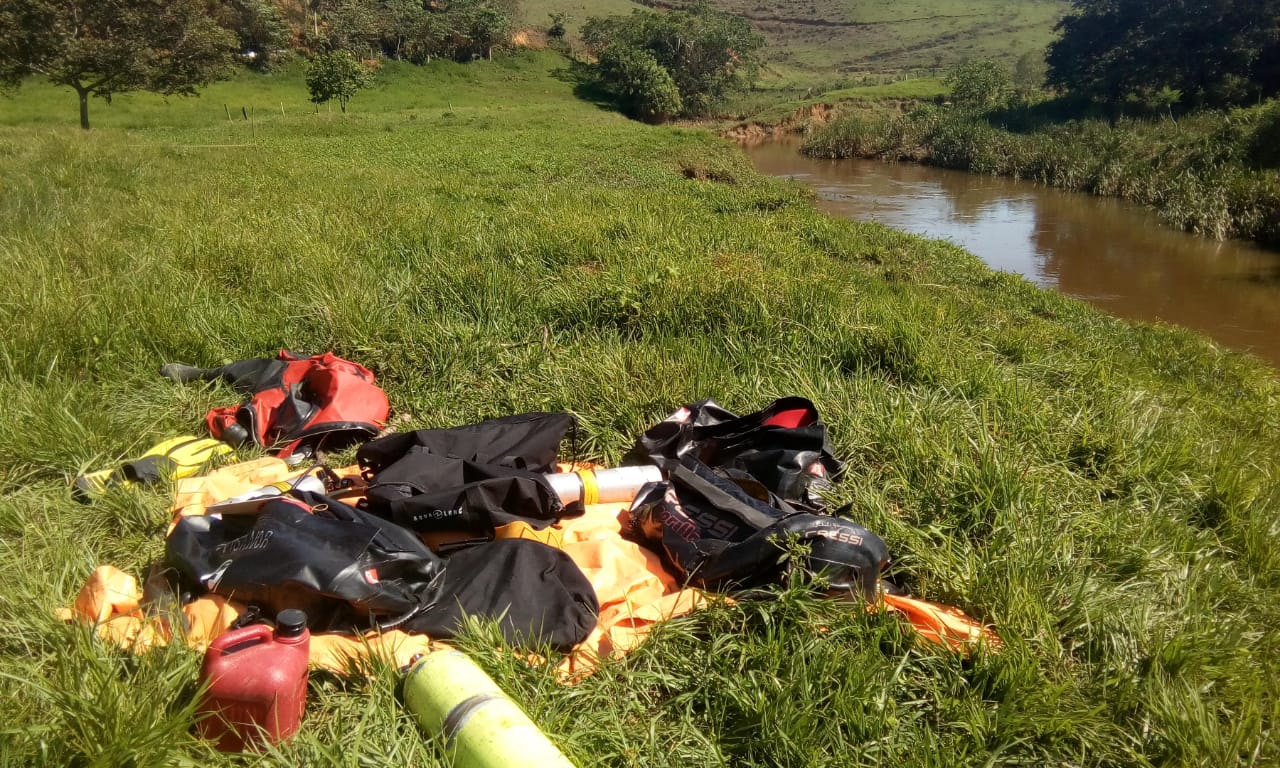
x=982, y=84
x=642, y=87
x=847, y=136
x=706, y=53
x=1264, y=145
x=336, y=75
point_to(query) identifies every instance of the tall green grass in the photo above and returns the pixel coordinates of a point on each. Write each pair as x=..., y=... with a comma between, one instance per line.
x=1103, y=493
x=1209, y=173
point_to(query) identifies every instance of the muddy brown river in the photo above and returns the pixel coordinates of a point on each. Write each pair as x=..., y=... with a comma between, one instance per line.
x=1112, y=254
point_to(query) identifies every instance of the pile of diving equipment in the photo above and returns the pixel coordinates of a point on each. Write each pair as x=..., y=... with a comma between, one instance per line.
x=436, y=526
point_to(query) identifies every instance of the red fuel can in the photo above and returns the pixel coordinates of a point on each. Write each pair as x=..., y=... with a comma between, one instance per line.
x=256, y=683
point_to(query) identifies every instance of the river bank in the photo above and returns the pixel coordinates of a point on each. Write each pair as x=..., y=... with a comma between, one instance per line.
x=1209, y=173
x=1115, y=255
x=1101, y=492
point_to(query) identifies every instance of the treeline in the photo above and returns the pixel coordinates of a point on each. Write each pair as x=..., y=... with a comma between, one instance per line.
x=653, y=66
x=173, y=47
x=1197, y=53
x=410, y=30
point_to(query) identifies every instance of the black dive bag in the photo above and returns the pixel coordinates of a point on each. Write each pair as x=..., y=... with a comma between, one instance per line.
x=721, y=530
x=783, y=445
x=352, y=571
x=344, y=567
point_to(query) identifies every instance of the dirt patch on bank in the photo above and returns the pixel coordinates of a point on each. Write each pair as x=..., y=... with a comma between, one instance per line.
x=529, y=38
x=800, y=121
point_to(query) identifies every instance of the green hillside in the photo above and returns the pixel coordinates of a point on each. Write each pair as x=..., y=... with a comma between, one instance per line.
x=831, y=36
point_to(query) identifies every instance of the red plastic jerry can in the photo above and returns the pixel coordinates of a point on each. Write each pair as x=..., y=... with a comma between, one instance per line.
x=256, y=684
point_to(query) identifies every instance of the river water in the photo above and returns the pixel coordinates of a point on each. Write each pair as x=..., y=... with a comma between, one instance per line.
x=1114, y=255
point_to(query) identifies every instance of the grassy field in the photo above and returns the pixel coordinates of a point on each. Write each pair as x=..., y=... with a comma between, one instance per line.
x=817, y=42
x=1104, y=493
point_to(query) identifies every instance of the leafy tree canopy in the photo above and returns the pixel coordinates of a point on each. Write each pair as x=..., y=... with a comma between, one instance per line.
x=1212, y=52
x=415, y=30
x=706, y=53
x=336, y=75
x=258, y=25
x=644, y=89
x=105, y=47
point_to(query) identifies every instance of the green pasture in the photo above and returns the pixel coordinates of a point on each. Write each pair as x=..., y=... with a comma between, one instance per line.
x=1103, y=493
x=912, y=35
x=536, y=14
x=812, y=43
x=910, y=88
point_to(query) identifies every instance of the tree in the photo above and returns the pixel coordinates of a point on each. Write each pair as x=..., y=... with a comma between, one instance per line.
x=1214, y=52
x=1096, y=55
x=405, y=27
x=354, y=25
x=705, y=52
x=557, y=29
x=478, y=26
x=262, y=32
x=336, y=75
x=104, y=47
x=488, y=26
x=643, y=88
x=982, y=84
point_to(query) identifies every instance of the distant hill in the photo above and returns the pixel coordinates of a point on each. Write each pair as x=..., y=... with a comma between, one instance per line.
x=855, y=36
x=819, y=39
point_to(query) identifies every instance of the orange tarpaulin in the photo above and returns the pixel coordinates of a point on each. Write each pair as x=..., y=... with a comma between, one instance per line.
x=633, y=589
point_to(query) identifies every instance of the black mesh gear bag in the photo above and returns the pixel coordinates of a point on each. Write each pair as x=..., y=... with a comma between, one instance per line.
x=784, y=445
x=715, y=534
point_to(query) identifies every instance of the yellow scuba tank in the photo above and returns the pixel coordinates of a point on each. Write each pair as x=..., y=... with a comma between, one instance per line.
x=481, y=727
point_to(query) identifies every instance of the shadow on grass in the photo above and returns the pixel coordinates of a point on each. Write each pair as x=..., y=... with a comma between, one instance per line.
x=585, y=85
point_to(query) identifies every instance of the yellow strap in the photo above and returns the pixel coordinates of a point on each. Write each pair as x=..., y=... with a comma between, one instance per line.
x=590, y=491
x=551, y=536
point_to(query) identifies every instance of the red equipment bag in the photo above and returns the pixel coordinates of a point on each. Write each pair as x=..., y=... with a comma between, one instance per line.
x=295, y=403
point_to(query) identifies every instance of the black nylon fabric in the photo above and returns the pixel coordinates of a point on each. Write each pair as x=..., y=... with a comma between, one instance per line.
x=246, y=376
x=529, y=441
x=717, y=536
x=351, y=571
x=537, y=594
x=787, y=460
x=430, y=493
x=346, y=568
x=472, y=478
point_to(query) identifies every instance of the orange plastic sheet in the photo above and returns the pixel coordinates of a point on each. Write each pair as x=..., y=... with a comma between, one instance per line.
x=943, y=624
x=634, y=591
